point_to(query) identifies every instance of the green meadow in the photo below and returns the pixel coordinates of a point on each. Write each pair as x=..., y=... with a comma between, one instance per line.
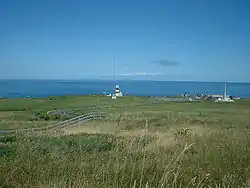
x=141, y=143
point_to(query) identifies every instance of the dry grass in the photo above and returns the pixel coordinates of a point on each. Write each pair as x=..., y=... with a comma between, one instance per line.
x=152, y=149
x=132, y=158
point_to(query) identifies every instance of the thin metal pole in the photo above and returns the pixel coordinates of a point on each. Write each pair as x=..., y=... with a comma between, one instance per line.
x=113, y=66
x=225, y=92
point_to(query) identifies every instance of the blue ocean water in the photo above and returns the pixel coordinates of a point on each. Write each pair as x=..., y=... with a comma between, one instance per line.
x=45, y=88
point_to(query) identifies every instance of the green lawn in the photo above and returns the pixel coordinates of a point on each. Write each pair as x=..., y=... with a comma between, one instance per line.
x=14, y=110
x=142, y=144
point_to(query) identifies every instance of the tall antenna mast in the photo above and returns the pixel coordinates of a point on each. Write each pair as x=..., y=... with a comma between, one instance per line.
x=113, y=66
x=225, y=91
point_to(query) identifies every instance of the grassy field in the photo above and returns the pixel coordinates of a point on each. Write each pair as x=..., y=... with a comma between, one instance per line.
x=142, y=143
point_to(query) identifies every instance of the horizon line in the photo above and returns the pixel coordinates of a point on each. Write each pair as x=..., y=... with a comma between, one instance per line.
x=111, y=80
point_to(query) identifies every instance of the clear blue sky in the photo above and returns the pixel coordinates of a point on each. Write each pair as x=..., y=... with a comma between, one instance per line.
x=206, y=40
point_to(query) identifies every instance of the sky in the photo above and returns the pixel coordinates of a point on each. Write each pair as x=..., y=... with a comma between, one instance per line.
x=181, y=40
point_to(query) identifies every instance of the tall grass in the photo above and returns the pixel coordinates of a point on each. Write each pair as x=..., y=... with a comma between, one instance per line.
x=219, y=158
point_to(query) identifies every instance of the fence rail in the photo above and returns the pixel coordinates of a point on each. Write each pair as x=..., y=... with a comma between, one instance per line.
x=61, y=124
x=72, y=121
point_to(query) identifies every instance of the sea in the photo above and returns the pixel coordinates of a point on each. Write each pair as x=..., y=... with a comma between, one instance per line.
x=45, y=88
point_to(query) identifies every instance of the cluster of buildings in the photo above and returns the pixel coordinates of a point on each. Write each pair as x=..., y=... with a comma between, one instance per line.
x=216, y=98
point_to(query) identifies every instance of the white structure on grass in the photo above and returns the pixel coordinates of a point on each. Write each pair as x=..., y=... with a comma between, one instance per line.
x=113, y=96
x=118, y=93
x=225, y=98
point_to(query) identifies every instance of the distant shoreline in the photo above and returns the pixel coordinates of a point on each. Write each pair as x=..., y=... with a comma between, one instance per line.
x=122, y=80
x=45, y=88
x=99, y=95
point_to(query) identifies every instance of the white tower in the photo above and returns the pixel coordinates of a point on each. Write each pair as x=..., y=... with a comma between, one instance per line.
x=225, y=92
x=117, y=90
x=118, y=93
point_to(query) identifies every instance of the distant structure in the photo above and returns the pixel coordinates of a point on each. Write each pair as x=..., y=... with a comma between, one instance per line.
x=218, y=96
x=118, y=93
x=113, y=96
x=185, y=94
x=117, y=90
x=106, y=93
x=224, y=98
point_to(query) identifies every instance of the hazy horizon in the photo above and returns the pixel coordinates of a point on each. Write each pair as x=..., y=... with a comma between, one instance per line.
x=116, y=80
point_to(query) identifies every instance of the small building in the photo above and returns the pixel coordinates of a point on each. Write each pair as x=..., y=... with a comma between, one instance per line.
x=219, y=96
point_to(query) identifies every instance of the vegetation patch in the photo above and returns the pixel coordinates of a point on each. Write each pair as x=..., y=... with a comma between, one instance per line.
x=166, y=144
